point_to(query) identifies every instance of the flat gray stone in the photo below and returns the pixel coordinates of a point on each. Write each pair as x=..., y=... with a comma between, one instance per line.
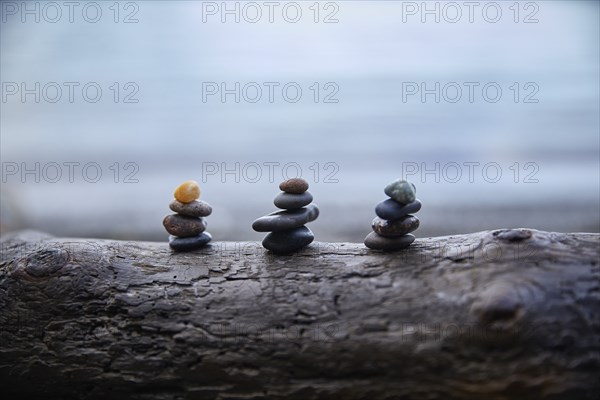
x=288, y=219
x=288, y=241
x=290, y=201
x=196, y=208
x=390, y=209
x=376, y=242
x=397, y=227
x=189, y=243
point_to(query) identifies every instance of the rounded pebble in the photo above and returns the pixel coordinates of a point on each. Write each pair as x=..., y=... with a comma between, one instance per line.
x=182, y=226
x=402, y=191
x=398, y=227
x=391, y=209
x=288, y=241
x=187, y=192
x=189, y=243
x=192, y=209
x=294, y=186
x=376, y=242
x=288, y=219
x=289, y=201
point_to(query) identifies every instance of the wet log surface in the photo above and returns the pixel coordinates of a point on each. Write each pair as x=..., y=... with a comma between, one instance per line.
x=504, y=314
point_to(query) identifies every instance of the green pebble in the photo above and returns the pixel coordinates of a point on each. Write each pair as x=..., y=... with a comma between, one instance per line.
x=402, y=191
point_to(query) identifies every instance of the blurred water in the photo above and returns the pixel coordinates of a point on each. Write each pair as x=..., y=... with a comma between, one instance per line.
x=370, y=134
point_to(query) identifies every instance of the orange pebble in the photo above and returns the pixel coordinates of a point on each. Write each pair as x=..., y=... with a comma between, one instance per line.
x=187, y=192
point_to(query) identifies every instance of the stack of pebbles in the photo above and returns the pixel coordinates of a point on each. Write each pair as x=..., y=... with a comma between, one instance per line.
x=393, y=224
x=288, y=233
x=187, y=227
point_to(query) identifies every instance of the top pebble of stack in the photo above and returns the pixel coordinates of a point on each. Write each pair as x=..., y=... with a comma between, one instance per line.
x=294, y=186
x=187, y=192
x=402, y=191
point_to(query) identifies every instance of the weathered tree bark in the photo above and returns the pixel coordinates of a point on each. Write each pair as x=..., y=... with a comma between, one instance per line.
x=503, y=314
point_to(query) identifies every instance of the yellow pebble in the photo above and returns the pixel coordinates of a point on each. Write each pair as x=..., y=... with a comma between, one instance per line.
x=187, y=192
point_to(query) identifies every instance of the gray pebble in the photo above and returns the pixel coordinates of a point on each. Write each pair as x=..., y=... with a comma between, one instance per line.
x=398, y=227
x=402, y=191
x=181, y=226
x=189, y=243
x=288, y=219
x=376, y=242
x=289, y=201
x=391, y=209
x=196, y=208
x=288, y=241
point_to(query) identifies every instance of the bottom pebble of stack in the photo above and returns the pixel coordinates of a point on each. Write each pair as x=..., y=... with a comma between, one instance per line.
x=377, y=242
x=189, y=243
x=289, y=240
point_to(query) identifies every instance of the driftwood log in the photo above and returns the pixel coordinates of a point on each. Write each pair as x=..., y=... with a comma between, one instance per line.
x=505, y=314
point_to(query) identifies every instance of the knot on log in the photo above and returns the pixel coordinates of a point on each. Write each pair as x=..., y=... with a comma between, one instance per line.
x=498, y=306
x=44, y=263
x=513, y=235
